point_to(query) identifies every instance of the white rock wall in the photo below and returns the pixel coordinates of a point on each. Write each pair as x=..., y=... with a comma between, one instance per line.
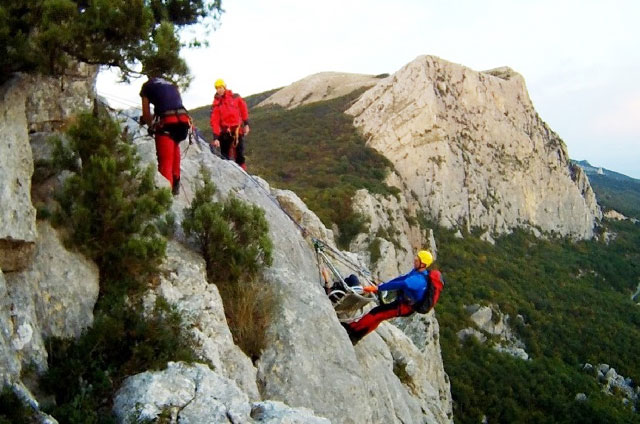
x=474, y=151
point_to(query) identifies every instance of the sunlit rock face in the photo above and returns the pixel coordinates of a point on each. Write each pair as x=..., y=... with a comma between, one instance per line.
x=472, y=150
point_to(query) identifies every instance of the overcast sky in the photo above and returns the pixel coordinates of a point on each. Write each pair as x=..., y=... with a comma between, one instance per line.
x=580, y=59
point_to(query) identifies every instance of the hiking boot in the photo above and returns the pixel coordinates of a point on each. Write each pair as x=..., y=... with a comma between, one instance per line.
x=175, y=190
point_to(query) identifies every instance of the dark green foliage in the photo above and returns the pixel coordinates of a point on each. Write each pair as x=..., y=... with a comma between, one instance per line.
x=232, y=236
x=111, y=211
x=47, y=35
x=621, y=195
x=85, y=373
x=315, y=151
x=13, y=410
x=575, y=300
x=613, y=190
x=110, y=204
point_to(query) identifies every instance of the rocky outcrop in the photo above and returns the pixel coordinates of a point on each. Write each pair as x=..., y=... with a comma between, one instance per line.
x=31, y=107
x=184, y=285
x=295, y=207
x=309, y=369
x=182, y=393
x=317, y=87
x=392, y=236
x=9, y=362
x=614, y=383
x=292, y=369
x=196, y=394
x=54, y=296
x=17, y=214
x=472, y=149
x=494, y=323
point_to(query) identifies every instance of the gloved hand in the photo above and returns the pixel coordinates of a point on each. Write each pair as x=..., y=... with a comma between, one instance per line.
x=151, y=131
x=370, y=289
x=216, y=142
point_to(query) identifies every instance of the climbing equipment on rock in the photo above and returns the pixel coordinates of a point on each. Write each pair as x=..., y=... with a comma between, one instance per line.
x=348, y=295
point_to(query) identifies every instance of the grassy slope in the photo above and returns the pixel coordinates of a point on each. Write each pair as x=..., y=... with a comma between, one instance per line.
x=315, y=151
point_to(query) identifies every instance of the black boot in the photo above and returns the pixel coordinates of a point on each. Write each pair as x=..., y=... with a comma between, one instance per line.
x=354, y=336
x=175, y=190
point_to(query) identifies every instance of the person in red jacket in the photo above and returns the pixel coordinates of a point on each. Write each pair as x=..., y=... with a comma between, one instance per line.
x=169, y=124
x=229, y=123
x=418, y=291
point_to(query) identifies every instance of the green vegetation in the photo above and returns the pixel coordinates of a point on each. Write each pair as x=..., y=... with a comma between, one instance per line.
x=233, y=238
x=110, y=204
x=85, y=373
x=613, y=190
x=621, y=195
x=46, y=36
x=110, y=211
x=315, y=151
x=13, y=410
x=575, y=301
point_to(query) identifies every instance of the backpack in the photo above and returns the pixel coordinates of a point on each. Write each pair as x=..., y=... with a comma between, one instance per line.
x=435, y=283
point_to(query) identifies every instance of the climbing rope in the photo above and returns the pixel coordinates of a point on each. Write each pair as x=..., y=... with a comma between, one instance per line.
x=322, y=248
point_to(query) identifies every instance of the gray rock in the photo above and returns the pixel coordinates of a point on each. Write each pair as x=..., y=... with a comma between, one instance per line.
x=17, y=214
x=320, y=86
x=184, y=285
x=31, y=104
x=54, y=296
x=472, y=148
x=581, y=397
x=272, y=412
x=189, y=393
x=471, y=332
x=9, y=362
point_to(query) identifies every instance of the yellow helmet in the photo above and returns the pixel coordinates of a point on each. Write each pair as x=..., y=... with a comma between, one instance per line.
x=425, y=257
x=220, y=83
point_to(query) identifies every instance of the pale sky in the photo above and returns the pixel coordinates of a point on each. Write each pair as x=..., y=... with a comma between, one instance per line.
x=580, y=58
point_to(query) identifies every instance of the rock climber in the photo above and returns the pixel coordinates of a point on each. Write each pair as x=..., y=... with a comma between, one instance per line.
x=229, y=123
x=169, y=124
x=418, y=291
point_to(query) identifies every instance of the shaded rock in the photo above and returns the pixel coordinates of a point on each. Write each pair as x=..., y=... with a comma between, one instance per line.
x=54, y=296
x=17, y=214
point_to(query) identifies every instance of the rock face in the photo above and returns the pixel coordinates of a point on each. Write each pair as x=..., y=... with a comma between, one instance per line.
x=195, y=394
x=472, y=149
x=309, y=371
x=183, y=284
x=31, y=107
x=316, y=87
x=392, y=238
x=292, y=369
x=54, y=296
x=494, y=323
x=185, y=393
x=17, y=214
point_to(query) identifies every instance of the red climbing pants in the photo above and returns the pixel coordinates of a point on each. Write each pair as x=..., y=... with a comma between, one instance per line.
x=365, y=325
x=168, y=152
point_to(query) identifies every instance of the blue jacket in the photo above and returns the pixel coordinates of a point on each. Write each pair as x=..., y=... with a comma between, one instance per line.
x=411, y=286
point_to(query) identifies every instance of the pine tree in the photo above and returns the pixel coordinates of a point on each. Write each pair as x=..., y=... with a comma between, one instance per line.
x=47, y=35
x=110, y=205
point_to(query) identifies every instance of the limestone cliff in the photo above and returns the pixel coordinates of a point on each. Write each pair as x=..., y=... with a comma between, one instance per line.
x=317, y=87
x=473, y=152
x=54, y=291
